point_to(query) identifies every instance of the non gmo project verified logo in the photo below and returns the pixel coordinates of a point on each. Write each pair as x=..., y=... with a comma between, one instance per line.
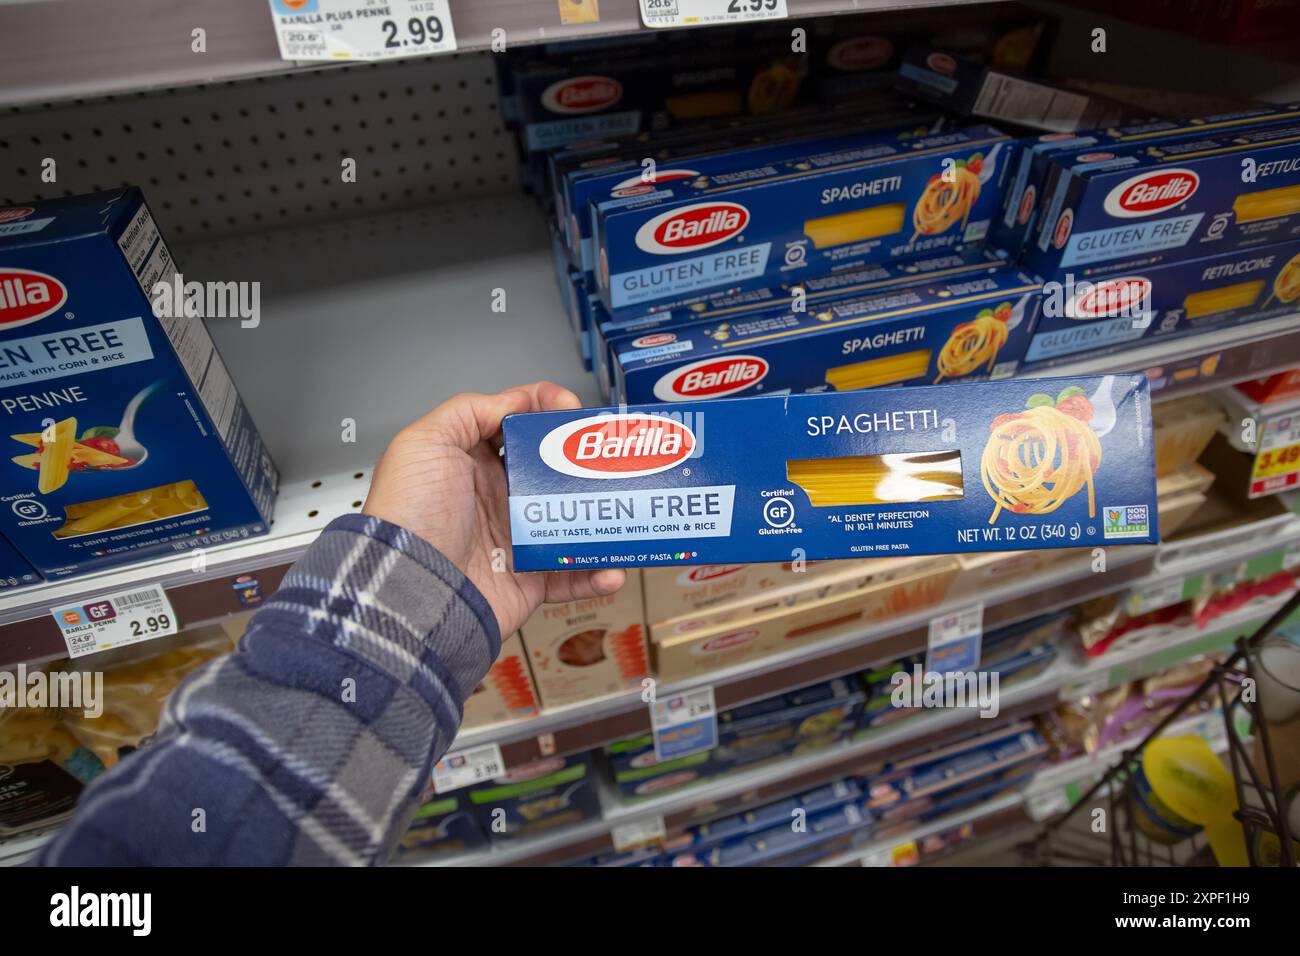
x=1126, y=521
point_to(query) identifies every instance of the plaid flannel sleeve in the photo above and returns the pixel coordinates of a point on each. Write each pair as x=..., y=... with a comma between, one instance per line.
x=312, y=743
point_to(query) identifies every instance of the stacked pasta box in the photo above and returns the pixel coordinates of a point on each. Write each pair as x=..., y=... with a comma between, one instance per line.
x=126, y=436
x=1159, y=230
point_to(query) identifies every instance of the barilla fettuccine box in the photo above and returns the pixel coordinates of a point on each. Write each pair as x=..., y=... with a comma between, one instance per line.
x=639, y=323
x=1020, y=203
x=965, y=329
x=1139, y=206
x=994, y=466
x=125, y=435
x=891, y=196
x=1103, y=315
x=627, y=178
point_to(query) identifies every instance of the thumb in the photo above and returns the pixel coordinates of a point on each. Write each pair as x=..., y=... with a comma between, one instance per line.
x=564, y=586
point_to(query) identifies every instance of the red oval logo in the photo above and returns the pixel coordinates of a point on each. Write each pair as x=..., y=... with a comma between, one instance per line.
x=27, y=296
x=941, y=63
x=692, y=227
x=1061, y=235
x=617, y=446
x=1026, y=205
x=711, y=378
x=711, y=572
x=582, y=94
x=1094, y=157
x=1112, y=297
x=1151, y=193
x=725, y=642
x=860, y=54
x=15, y=213
x=650, y=341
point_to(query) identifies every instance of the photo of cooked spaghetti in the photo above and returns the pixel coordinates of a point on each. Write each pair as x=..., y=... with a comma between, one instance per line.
x=948, y=198
x=1286, y=284
x=975, y=343
x=1038, y=459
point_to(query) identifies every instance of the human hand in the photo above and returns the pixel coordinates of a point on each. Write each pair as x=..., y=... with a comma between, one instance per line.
x=442, y=478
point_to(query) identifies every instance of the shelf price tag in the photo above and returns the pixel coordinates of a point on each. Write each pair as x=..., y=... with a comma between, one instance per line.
x=700, y=13
x=465, y=767
x=639, y=834
x=1156, y=596
x=309, y=30
x=1277, y=463
x=684, y=724
x=116, y=620
x=954, y=643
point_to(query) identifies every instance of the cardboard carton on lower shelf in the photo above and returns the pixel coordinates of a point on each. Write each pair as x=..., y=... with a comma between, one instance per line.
x=822, y=580
x=980, y=572
x=736, y=641
x=589, y=648
x=506, y=693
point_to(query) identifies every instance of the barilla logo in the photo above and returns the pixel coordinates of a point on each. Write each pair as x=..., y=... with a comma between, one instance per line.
x=1151, y=193
x=27, y=297
x=860, y=53
x=582, y=94
x=711, y=378
x=941, y=63
x=14, y=213
x=708, y=572
x=1027, y=202
x=650, y=341
x=1122, y=296
x=692, y=227
x=725, y=642
x=531, y=771
x=617, y=446
x=635, y=186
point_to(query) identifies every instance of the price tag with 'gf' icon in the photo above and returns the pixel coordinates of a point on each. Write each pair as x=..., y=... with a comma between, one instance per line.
x=116, y=620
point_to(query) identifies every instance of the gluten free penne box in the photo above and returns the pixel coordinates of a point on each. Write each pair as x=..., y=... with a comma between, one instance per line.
x=124, y=435
x=1047, y=463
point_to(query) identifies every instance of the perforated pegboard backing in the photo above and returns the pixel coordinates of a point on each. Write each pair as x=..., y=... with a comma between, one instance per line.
x=242, y=156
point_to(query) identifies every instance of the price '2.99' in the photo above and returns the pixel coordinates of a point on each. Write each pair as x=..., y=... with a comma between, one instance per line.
x=150, y=625
x=418, y=32
x=750, y=6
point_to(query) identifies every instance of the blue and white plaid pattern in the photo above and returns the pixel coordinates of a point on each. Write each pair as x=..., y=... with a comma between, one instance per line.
x=312, y=743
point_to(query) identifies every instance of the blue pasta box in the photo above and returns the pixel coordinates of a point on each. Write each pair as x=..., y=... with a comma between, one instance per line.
x=889, y=196
x=1103, y=315
x=126, y=437
x=15, y=572
x=990, y=466
x=641, y=327
x=537, y=797
x=1134, y=207
x=627, y=179
x=1020, y=204
x=958, y=330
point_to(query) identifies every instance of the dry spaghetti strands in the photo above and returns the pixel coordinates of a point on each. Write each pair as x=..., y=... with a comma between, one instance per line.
x=1038, y=459
x=877, y=479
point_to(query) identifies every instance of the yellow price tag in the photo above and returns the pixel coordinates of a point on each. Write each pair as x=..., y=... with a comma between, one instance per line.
x=1279, y=461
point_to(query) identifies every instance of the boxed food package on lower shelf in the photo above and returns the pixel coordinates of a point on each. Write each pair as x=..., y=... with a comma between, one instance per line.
x=836, y=829
x=1136, y=207
x=588, y=648
x=1016, y=653
x=1181, y=493
x=1165, y=301
x=973, y=89
x=898, y=586
x=1272, y=388
x=893, y=195
x=978, y=573
x=895, y=587
x=506, y=693
x=15, y=572
x=966, y=329
x=444, y=825
x=995, y=466
x=126, y=436
x=1182, y=429
x=537, y=797
x=786, y=724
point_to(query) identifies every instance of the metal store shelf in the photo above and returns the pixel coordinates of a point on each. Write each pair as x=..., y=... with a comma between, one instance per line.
x=81, y=48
